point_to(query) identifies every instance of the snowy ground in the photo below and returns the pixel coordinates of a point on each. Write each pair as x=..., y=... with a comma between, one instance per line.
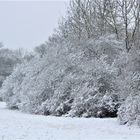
x=15, y=125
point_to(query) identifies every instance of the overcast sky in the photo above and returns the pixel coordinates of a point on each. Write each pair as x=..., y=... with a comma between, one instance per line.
x=26, y=24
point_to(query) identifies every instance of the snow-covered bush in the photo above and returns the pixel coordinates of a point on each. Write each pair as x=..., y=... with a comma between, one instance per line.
x=8, y=59
x=74, y=79
x=129, y=112
x=97, y=105
x=11, y=86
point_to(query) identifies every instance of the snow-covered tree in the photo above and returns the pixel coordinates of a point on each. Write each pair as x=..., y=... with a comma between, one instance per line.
x=8, y=59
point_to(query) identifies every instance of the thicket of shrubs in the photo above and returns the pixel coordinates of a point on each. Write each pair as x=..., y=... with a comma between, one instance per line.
x=74, y=80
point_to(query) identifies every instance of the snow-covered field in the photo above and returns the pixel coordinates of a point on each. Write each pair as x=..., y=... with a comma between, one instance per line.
x=15, y=125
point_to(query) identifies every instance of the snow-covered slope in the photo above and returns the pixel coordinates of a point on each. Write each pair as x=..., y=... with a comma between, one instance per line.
x=15, y=125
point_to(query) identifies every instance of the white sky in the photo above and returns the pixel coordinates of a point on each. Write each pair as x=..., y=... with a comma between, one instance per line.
x=26, y=24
